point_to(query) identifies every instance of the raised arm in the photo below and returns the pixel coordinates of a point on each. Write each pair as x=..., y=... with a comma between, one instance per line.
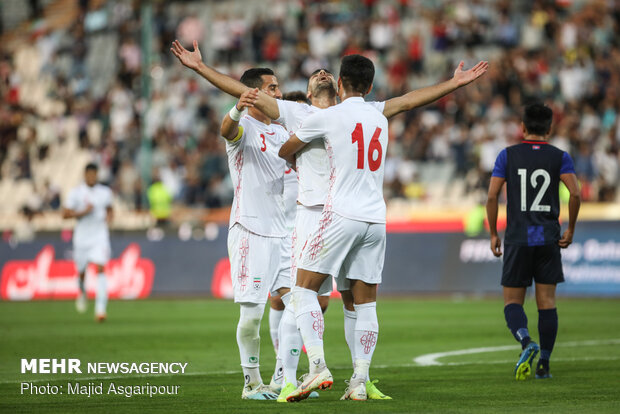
x=492, y=206
x=230, y=129
x=423, y=96
x=574, y=202
x=225, y=83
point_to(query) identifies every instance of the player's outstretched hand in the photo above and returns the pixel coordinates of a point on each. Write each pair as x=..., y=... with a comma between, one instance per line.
x=464, y=77
x=496, y=246
x=566, y=240
x=247, y=99
x=190, y=59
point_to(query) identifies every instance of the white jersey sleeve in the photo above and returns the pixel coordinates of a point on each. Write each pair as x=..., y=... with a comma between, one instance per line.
x=356, y=139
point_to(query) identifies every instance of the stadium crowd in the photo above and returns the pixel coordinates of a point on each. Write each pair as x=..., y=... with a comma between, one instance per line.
x=566, y=53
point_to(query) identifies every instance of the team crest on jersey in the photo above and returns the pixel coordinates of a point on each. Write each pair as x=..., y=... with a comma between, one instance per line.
x=536, y=147
x=256, y=283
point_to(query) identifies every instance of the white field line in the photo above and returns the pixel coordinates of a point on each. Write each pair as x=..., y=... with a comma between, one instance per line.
x=431, y=359
x=421, y=361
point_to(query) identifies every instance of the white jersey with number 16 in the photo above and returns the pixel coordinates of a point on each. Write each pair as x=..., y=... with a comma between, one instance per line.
x=356, y=138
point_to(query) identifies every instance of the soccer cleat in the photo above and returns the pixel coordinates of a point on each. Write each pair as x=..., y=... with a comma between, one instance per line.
x=274, y=386
x=356, y=391
x=523, y=369
x=100, y=317
x=542, y=372
x=321, y=381
x=80, y=303
x=373, y=392
x=261, y=392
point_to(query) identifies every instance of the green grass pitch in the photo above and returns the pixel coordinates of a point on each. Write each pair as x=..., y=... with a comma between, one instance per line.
x=585, y=363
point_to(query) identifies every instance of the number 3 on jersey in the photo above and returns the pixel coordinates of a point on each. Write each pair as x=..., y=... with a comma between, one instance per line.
x=536, y=206
x=374, y=147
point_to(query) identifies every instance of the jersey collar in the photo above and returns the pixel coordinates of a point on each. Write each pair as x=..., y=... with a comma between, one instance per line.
x=354, y=99
x=535, y=142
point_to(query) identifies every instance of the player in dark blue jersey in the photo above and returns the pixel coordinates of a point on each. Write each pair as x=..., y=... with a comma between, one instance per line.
x=532, y=171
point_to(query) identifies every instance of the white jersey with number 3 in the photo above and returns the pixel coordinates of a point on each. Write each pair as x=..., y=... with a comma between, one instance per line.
x=257, y=174
x=312, y=162
x=356, y=138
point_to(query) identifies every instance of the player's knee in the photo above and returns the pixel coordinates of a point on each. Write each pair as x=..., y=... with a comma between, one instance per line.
x=249, y=320
x=276, y=303
x=323, y=302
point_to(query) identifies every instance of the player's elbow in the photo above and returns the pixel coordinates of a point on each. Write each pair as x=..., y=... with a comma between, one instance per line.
x=66, y=214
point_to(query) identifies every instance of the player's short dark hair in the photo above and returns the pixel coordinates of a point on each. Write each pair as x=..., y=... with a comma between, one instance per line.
x=253, y=77
x=91, y=166
x=357, y=73
x=295, y=96
x=537, y=118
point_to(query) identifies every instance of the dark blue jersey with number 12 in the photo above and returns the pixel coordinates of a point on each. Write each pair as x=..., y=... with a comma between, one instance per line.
x=532, y=171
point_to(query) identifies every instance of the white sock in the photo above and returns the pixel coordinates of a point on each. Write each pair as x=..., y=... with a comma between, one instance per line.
x=366, y=334
x=311, y=325
x=290, y=342
x=248, y=340
x=274, y=322
x=350, y=318
x=101, y=298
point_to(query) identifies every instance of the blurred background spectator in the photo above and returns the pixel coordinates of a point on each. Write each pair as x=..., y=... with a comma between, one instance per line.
x=94, y=80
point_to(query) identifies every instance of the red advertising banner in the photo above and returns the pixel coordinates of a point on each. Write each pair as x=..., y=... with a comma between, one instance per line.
x=129, y=277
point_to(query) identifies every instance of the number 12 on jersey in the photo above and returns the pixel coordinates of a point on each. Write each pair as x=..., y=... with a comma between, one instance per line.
x=357, y=136
x=536, y=206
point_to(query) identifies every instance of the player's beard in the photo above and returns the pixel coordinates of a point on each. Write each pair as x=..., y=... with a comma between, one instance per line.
x=324, y=88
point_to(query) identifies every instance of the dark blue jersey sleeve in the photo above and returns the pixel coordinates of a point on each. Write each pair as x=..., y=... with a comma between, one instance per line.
x=500, y=165
x=567, y=165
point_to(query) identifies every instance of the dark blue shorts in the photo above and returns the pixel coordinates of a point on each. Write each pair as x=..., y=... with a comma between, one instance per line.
x=522, y=264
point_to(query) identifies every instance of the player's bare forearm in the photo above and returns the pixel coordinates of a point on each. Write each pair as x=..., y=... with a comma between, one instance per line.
x=109, y=215
x=223, y=82
x=574, y=202
x=267, y=105
x=290, y=147
x=417, y=98
x=423, y=96
x=492, y=204
x=492, y=208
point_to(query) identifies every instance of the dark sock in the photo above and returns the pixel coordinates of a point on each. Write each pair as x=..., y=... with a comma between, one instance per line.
x=81, y=285
x=547, y=332
x=517, y=323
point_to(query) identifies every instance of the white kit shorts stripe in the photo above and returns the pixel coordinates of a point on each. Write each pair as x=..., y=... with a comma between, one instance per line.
x=254, y=262
x=306, y=220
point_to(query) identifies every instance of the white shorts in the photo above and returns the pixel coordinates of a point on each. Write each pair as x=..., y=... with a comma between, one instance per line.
x=346, y=248
x=254, y=262
x=97, y=253
x=306, y=221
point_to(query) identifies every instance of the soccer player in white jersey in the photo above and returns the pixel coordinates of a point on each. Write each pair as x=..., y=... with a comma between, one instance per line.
x=349, y=241
x=314, y=172
x=257, y=223
x=91, y=204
